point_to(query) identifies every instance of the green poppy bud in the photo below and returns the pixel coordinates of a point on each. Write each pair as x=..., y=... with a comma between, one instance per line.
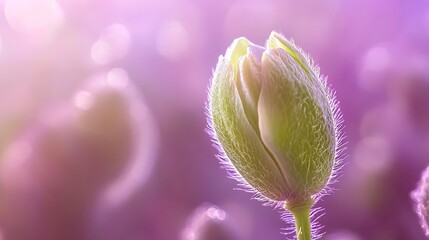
x=275, y=120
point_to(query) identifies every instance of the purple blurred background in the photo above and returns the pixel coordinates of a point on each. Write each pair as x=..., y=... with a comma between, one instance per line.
x=68, y=171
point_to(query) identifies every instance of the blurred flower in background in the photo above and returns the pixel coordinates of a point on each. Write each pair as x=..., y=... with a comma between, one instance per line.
x=69, y=171
x=95, y=151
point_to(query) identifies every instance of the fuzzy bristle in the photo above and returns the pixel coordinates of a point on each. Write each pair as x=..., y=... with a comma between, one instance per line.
x=338, y=155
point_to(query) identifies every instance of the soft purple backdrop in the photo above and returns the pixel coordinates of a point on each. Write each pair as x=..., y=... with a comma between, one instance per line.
x=158, y=57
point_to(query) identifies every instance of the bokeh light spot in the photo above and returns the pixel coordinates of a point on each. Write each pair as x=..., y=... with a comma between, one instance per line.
x=117, y=77
x=373, y=154
x=101, y=52
x=173, y=40
x=250, y=19
x=21, y=150
x=207, y=222
x=83, y=100
x=342, y=235
x=377, y=59
x=113, y=44
x=31, y=16
x=376, y=62
x=216, y=213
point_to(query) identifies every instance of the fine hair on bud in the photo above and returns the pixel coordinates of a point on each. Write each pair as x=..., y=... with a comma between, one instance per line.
x=276, y=125
x=420, y=197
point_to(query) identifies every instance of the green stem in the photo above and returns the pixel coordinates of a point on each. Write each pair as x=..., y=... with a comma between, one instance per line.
x=301, y=213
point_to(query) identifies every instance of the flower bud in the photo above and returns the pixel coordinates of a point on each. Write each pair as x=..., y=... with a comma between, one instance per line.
x=275, y=119
x=420, y=197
